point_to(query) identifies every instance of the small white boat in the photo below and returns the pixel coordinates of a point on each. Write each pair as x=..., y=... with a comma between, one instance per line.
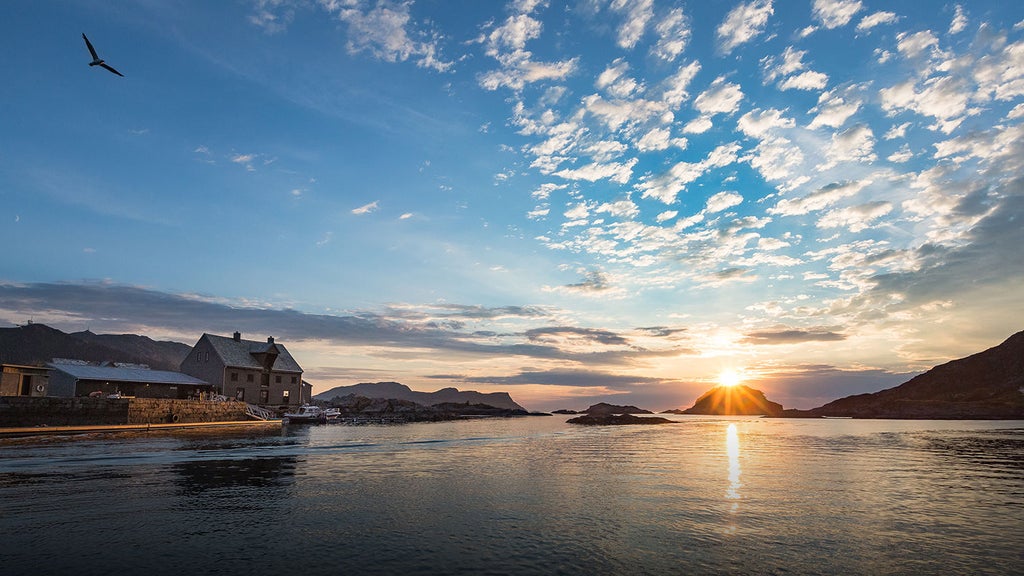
x=332, y=414
x=307, y=413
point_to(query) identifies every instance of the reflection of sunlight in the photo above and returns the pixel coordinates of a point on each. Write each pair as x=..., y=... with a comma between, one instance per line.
x=732, y=450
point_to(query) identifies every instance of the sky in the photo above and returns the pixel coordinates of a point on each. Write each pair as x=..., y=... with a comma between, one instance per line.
x=573, y=202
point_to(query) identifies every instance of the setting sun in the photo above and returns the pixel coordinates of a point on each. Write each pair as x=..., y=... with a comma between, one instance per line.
x=728, y=377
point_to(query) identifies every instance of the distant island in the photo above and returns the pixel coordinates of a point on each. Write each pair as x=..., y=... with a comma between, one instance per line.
x=603, y=408
x=618, y=419
x=396, y=391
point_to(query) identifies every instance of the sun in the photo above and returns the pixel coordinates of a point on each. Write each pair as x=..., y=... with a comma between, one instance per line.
x=728, y=378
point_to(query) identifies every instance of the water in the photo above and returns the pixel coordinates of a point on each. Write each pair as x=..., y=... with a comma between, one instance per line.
x=523, y=496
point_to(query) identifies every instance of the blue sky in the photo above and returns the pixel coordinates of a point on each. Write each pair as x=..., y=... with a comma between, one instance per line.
x=570, y=201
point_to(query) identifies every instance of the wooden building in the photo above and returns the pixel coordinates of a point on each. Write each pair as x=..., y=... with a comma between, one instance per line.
x=261, y=373
x=17, y=380
x=80, y=378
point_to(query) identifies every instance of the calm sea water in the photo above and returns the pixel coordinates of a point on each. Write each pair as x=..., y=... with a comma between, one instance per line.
x=523, y=496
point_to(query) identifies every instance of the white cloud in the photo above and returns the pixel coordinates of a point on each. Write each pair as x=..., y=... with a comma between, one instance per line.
x=386, y=31
x=876, y=19
x=916, y=44
x=836, y=13
x=777, y=159
x=809, y=80
x=721, y=97
x=897, y=131
x=676, y=86
x=855, y=144
x=638, y=13
x=619, y=209
x=666, y=215
x=902, y=155
x=366, y=208
x=834, y=109
x=743, y=24
x=665, y=187
x=819, y=199
x=855, y=218
x=673, y=35
x=698, y=125
x=619, y=172
x=944, y=98
x=723, y=201
x=959, y=23
x=757, y=122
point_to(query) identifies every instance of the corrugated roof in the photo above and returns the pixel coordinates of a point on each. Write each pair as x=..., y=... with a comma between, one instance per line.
x=115, y=374
x=239, y=354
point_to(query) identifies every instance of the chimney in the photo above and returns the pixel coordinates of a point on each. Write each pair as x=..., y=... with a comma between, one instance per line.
x=270, y=339
x=238, y=336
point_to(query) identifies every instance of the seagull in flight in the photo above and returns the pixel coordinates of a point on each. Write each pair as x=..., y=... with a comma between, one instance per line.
x=96, y=59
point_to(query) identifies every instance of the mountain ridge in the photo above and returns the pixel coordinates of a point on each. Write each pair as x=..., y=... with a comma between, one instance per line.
x=398, y=391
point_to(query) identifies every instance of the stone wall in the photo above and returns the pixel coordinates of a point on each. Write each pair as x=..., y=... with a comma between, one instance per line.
x=18, y=411
x=161, y=411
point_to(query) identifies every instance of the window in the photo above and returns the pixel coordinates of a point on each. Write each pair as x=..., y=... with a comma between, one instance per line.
x=234, y=376
x=294, y=379
x=207, y=356
x=284, y=397
x=277, y=379
x=248, y=377
x=239, y=393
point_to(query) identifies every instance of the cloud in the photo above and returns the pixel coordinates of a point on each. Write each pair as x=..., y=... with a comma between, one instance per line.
x=819, y=199
x=834, y=108
x=665, y=187
x=758, y=123
x=855, y=218
x=674, y=33
x=876, y=19
x=720, y=98
x=776, y=337
x=386, y=31
x=637, y=14
x=959, y=23
x=743, y=23
x=723, y=201
x=835, y=13
x=365, y=209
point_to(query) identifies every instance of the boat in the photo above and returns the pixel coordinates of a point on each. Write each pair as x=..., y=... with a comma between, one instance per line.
x=332, y=414
x=307, y=414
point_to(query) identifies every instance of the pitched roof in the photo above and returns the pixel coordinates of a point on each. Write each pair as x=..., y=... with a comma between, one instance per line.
x=239, y=353
x=119, y=374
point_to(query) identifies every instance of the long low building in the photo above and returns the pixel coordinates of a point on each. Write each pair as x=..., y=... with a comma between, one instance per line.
x=83, y=379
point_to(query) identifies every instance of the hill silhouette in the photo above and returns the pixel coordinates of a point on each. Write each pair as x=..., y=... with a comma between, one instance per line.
x=397, y=391
x=736, y=400
x=988, y=384
x=37, y=344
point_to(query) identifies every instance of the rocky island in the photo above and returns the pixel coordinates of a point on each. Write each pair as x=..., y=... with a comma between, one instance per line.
x=738, y=400
x=618, y=419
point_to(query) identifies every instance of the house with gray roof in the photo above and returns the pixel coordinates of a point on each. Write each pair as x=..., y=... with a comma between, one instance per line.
x=80, y=378
x=261, y=373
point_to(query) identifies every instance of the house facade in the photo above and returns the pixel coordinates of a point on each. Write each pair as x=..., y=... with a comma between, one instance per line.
x=261, y=373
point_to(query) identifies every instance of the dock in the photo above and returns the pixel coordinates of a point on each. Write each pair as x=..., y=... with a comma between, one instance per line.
x=101, y=428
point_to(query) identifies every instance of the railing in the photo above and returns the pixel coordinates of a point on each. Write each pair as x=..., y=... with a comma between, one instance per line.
x=257, y=413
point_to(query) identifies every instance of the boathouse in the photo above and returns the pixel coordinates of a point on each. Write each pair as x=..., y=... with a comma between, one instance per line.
x=18, y=380
x=80, y=378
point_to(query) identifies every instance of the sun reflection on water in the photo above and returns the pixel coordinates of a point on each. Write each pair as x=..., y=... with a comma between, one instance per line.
x=732, y=450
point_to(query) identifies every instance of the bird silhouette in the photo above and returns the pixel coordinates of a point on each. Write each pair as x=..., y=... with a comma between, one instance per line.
x=96, y=59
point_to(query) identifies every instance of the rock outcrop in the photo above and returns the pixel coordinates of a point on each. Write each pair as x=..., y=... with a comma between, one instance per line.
x=733, y=401
x=618, y=420
x=603, y=408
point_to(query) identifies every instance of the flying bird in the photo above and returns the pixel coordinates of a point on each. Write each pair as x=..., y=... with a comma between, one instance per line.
x=96, y=59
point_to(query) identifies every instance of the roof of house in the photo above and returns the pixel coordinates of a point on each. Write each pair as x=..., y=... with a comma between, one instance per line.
x=240, y=353
x=121, y=374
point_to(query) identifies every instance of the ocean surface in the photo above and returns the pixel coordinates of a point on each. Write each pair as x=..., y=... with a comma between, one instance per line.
x=522, y=496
